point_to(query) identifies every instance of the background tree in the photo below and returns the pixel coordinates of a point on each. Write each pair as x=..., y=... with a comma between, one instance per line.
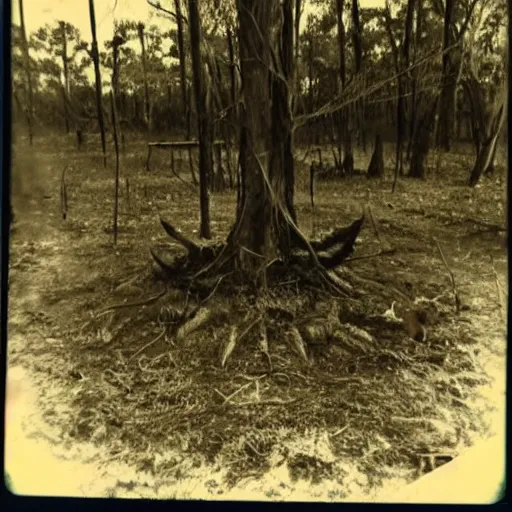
x=26, y=62
x=147, y=101
x=97, y=76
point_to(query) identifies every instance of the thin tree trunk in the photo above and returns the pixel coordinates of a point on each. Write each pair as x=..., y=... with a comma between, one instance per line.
x=116, y=146
x=296, y=88
x=65, y=68
x=344, y=120
x=204, y=126
x=281, y=112
x=358, y=55
x=26, y=57
x=147, y=103
x=414, y=83
x=443, y=138
x=116, y=43
x=232, y=75
x=169, y=107
x=97, y=76
x=183, y=58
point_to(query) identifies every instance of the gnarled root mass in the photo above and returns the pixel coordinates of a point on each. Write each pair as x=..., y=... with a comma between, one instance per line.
x=214, y=270
x=310, y=261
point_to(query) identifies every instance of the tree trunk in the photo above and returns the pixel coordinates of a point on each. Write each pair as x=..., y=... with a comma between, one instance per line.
x=282, y=164
x=26, y=58
x=421, y=142
x=414, y=82
x=204, y=126
x=97, y=76
x=344, y=133
x=183, y=61
x=232, y=77
x=147, y=103
x=116, y=43
x=260, y=232
x=446, y=106
x=358, y=56
x=296, y=86
x=169, y=107
x=376, y=167
x=487, y=150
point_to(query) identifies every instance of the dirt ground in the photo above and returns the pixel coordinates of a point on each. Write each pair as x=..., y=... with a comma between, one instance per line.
x=114, y=419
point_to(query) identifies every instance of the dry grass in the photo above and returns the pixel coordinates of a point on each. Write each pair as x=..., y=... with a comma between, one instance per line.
x=368, y=392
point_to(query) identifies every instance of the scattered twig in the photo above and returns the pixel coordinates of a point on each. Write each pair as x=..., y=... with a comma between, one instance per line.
x=147, y=345
x=239, y=390
x=249, y=327
x=271, y=401
x=452, y=278
x=144, y=302
x=340, y=431
x=386, y=252
x=220, y=393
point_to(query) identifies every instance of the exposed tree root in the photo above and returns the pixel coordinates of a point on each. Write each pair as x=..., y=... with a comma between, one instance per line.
x=204, y=260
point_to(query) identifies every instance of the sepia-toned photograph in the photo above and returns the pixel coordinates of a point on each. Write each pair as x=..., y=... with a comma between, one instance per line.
x=257, y=250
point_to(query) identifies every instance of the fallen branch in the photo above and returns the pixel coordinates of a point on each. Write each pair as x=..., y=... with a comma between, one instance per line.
x=452, y=279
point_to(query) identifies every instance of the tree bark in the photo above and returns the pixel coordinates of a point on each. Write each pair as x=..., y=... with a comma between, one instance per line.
x=262, y=227
x=204, y=126
x=26, y=57
x=97, y=76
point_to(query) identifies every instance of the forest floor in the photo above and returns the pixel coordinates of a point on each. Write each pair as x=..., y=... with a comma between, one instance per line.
x=168, y=421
